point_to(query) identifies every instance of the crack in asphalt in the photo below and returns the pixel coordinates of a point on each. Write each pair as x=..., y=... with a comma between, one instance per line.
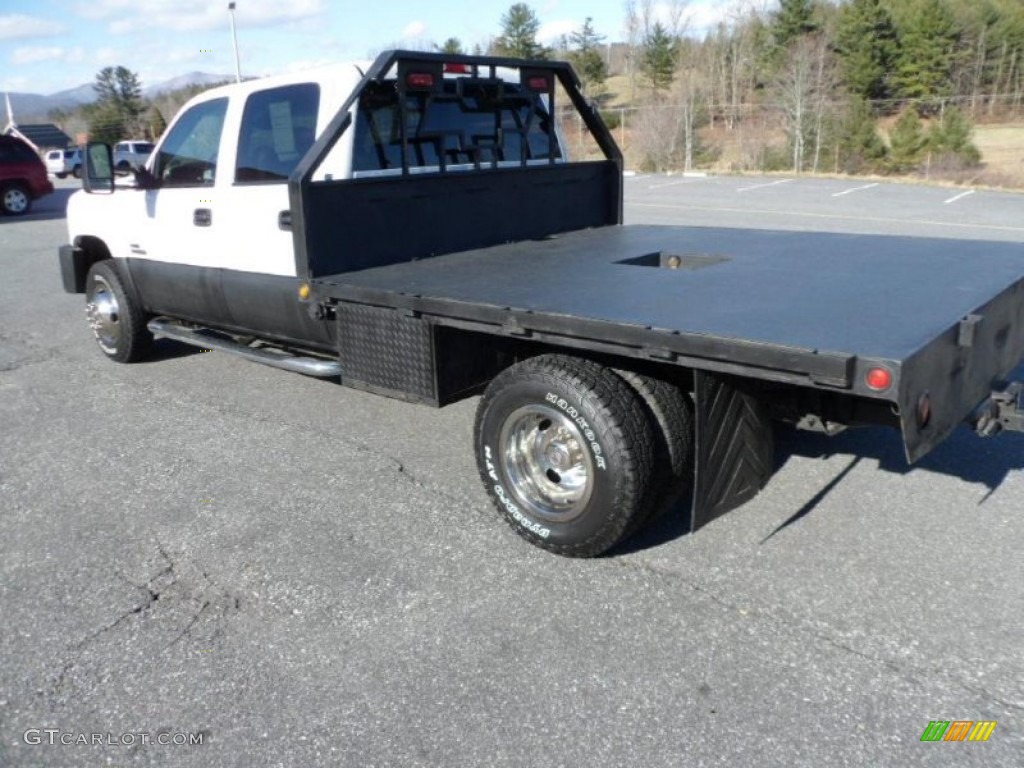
x=802, y=627
x=153, y=589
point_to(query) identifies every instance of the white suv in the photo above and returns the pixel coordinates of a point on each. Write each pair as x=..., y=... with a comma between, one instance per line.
x=131, y=154
x=61, y=162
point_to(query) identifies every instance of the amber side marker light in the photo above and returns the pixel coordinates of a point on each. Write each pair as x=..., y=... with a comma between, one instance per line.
x=878, y=379
x=304, y=291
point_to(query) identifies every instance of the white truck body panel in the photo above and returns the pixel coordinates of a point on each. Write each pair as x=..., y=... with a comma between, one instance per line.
x=243, y=234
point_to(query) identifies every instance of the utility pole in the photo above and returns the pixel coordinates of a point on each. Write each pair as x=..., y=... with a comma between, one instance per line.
x=234, y=41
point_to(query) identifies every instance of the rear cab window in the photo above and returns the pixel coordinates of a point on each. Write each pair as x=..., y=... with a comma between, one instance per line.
x=467, y=123
x=278, y=128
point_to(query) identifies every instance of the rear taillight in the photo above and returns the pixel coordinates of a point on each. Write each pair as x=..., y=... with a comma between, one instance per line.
x=878, y=379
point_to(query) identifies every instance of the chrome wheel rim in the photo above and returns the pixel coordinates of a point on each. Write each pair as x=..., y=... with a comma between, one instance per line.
x=546, y=460
x=104, y=314
x=15, y=200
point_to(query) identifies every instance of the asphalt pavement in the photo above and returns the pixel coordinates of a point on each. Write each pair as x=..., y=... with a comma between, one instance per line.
x=298, y=574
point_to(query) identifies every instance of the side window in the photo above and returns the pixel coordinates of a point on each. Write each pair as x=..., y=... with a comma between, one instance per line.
x=188, y=156
x=278, y=128
x=121, y=147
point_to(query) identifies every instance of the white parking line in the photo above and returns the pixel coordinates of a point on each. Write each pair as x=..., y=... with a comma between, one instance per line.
x=855, y=189
x=762, y=186
x=961, y=196
x=674, y=183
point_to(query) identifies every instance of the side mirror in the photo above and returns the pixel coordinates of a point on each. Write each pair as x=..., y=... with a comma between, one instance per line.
x=99, y=168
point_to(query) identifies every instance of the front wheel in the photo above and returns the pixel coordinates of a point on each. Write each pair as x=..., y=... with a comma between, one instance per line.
x=117, y=321
x=15, y=200
x=77, y=172
x=565, y=451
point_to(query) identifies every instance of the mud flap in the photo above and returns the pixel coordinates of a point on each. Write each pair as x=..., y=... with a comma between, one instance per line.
x=735, y=448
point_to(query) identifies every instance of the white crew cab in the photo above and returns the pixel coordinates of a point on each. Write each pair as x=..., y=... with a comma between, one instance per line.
x=219, y=175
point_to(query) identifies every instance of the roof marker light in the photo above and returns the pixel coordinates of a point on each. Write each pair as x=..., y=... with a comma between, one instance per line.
x=419, y=80
x=537, y=83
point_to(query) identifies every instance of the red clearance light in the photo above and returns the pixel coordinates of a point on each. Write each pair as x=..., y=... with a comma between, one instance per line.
x=419, y=80
x=537, y=83
x=878, y=379
x=459, y=69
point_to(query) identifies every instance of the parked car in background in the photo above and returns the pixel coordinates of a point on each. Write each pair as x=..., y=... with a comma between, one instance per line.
x=22, y=176
x=131, y=154
x=61, y=162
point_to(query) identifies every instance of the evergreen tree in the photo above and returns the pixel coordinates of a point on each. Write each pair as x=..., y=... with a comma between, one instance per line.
x=867, y=46
x=907, y=141
x=794, y=19
x=518, y=37
x=859, y=148
x=118, y=108
x=658, y=61
x=928, y=49
x=586, y=57
x=451, y=45
x=951, y=136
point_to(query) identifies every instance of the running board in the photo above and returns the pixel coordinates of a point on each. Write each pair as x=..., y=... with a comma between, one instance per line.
x=311, y=366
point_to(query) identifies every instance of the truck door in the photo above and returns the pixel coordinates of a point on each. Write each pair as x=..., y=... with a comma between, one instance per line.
x=277, y=127
x=174, y=261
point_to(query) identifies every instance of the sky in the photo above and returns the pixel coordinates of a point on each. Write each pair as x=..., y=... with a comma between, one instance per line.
x=51, y=45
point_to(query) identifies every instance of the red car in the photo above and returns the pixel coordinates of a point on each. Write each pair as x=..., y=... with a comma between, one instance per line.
x=22, y=176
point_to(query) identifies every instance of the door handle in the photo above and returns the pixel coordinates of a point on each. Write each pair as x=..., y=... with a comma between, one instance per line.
x=284, y=220
x=202, y=217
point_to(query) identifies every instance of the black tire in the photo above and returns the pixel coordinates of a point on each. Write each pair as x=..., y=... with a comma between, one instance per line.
x=77, y=171
x=565, y=452
x=61, y=175
x=117, y=321
x=15, y=199
x=670, y=411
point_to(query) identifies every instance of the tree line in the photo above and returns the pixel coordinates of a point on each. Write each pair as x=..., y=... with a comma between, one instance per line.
x=824, y=75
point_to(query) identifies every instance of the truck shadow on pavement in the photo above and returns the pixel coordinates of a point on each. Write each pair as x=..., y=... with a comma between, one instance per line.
x=965, y=456
x=168, y=349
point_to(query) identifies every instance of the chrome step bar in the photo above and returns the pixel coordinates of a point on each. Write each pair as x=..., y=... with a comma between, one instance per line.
x=162, y=327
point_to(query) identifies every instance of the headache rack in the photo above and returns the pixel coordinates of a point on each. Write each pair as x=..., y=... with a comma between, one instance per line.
x=530, y=192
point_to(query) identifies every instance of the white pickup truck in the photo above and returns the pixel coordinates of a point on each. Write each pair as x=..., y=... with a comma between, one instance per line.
x=418, y=228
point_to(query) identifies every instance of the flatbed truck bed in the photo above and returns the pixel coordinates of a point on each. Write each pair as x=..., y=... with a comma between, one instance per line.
x=810, y=309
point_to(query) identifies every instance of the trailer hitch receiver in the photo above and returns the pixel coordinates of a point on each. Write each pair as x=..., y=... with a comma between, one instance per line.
x=1003, y=411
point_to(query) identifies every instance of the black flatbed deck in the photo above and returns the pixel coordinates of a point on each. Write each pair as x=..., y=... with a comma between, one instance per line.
x=804, y=304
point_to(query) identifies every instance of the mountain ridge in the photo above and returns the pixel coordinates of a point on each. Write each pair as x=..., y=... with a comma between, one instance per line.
x=35, y=106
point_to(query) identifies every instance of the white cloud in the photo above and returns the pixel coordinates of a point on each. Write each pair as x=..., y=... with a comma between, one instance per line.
x=33, y=54
x=551, y=32
x=413, y=29
x=18, y=26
